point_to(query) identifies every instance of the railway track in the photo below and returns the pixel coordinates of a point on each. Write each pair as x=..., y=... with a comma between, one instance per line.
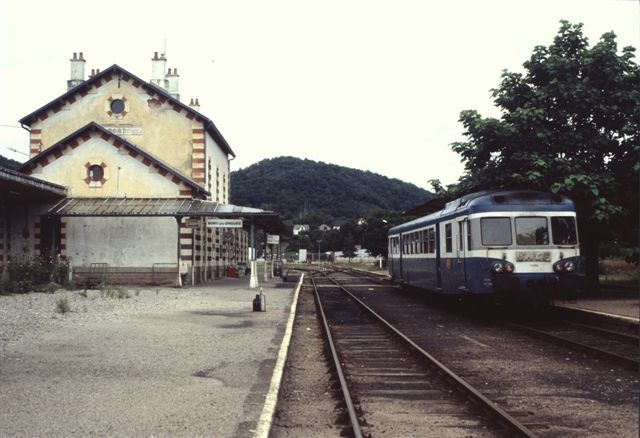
x=603, y=338
x=391, y=385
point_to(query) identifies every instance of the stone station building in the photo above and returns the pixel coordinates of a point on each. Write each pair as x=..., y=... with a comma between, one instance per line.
x=128, y=179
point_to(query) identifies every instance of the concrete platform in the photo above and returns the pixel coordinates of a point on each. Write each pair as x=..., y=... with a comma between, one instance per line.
x=195, y=361
x=623, y=308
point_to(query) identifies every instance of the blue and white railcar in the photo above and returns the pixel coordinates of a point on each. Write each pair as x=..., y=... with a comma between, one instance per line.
x=507, y=241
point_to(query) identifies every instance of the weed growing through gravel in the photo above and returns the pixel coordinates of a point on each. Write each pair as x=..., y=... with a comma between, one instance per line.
x=83, y=294
x=62, y=305
x=115, y=292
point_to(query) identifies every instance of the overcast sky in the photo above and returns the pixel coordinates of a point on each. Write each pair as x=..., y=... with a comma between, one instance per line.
x=372, y=85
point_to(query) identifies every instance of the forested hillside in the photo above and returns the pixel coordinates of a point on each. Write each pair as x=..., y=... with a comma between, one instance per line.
x=294, y=188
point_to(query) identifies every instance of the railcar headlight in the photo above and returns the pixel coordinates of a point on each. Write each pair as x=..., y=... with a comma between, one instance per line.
x=509, y=268
x=497, y=267
x=569, y=266
x=558, y=266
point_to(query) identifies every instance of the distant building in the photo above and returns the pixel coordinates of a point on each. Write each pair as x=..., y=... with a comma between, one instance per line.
x=297, y=229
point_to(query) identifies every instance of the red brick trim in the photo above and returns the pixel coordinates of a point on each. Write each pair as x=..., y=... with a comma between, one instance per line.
x=36, y=131
x=198, y=131
x=198, y=141
x=186, y=192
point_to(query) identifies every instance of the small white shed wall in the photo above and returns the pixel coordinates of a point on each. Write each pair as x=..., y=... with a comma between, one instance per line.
x=122, y=242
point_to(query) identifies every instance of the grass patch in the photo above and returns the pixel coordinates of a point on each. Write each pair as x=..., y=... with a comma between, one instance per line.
x=115, y=292
x=63, y=305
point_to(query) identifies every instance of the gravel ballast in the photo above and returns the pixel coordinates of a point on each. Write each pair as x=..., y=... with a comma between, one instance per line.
x=163, y=362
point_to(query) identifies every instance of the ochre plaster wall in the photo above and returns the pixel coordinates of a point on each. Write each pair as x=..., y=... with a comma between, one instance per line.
x=124, y=175
x=150, y=122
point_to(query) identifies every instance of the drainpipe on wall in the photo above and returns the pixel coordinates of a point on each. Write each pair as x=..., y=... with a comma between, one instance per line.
x=179, y=279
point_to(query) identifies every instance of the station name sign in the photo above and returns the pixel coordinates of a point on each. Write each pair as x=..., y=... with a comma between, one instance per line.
x=224, y=223
x=273, y=239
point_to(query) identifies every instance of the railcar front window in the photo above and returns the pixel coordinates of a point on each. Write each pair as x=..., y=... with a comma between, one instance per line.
x=563, y=229
x=532, y=231
x=496, y=231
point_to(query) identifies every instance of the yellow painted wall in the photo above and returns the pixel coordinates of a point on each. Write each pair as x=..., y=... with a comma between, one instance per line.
x=125, y=175
x=165, y=133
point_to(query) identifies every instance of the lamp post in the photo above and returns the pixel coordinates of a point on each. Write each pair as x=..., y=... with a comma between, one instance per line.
x=319, y=260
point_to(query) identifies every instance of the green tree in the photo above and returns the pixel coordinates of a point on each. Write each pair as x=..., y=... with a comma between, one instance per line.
x=349, y=247
x=569, y=124
x=375, y=231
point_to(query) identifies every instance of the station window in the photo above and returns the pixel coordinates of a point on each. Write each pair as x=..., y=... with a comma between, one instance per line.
x=448, y=235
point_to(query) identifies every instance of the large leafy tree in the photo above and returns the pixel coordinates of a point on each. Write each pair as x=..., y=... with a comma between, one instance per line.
x=568, y=124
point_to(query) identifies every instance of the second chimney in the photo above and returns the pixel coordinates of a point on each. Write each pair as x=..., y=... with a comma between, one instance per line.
x=77, y=71
x=158, y=67
x=172, y=83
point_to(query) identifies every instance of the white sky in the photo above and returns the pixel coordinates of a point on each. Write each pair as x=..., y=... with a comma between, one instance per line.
x=372, y=85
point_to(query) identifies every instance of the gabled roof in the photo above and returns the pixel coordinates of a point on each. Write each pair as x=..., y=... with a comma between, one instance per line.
x=118, y=72
x=55, y=151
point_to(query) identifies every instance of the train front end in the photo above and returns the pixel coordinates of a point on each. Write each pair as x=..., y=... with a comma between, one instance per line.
x=532, y=255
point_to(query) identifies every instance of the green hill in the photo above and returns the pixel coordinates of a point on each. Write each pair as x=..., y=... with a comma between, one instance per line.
x=293, y=187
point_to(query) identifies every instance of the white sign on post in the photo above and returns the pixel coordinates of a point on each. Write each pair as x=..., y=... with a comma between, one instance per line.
x=224, y=223
x=273, y=239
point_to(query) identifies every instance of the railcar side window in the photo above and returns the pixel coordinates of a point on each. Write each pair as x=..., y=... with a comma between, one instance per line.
x=532, y=231
x=431, y=240
x=448, y=238
x=563, y=229
x=495, y=231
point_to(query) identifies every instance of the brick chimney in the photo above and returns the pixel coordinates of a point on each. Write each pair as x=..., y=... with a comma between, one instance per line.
x=77, y=71
x=158, y=67
x=172, y=82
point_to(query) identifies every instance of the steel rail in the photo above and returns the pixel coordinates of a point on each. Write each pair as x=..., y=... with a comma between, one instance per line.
x=353, y=417
x=622, y=337
x=487, y=405
x=627, y=362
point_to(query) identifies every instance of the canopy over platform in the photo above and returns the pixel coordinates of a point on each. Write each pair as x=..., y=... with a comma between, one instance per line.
x=158, y=207
x=16, y=186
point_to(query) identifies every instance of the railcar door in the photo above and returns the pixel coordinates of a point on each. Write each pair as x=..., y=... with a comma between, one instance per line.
x=461, y=251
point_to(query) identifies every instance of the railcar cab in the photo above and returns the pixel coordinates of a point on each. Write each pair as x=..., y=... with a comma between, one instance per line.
x=513, y=242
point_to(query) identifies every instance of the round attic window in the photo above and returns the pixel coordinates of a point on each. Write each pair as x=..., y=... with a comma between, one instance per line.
x=117, y=106
x=95, y=172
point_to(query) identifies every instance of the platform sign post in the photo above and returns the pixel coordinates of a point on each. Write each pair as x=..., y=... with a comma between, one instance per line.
x=224, y=223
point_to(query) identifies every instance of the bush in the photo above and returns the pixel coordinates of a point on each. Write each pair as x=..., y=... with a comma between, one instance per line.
x=7, y=286
x=62, y=305
x=46, y=271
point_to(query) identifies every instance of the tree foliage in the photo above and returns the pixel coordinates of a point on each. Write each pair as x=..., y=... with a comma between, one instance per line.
x=568, y=124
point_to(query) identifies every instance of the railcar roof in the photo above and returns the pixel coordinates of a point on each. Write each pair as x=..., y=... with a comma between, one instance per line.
x=492, y=200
